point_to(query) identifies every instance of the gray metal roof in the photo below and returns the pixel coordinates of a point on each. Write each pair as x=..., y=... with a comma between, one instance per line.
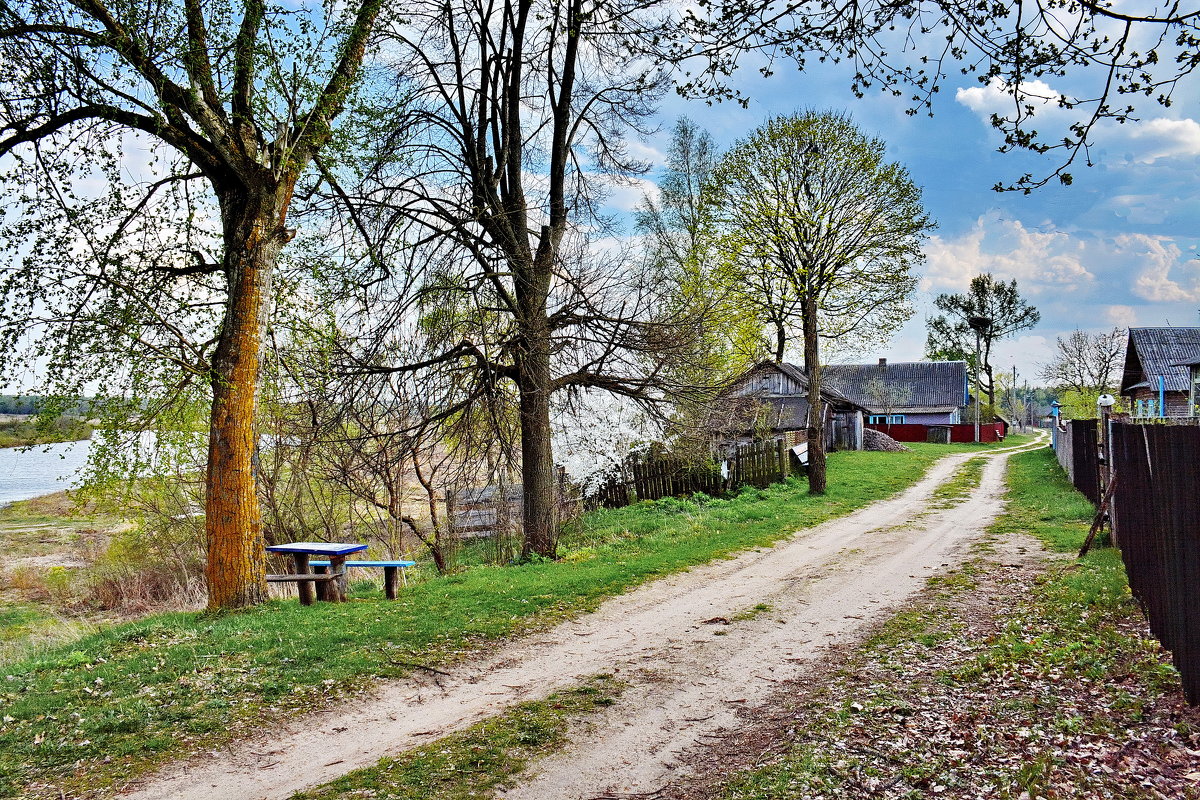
x=797, y=374
x=901, y=385
x=1154, y=352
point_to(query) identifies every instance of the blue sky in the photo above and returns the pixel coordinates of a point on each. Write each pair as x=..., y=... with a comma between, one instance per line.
x=1118, y=247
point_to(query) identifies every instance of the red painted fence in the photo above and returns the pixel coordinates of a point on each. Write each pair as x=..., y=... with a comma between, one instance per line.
x=992, y=432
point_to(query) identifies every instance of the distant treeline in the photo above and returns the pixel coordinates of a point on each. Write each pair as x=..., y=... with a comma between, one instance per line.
x=29, y=404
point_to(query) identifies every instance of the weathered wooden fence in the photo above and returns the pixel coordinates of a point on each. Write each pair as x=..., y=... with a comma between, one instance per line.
x=651, y=478
x=1078, y=452
x=1156, y=517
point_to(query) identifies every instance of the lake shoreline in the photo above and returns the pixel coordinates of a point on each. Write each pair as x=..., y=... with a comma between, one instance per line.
x=41, y=442
x=39, y=470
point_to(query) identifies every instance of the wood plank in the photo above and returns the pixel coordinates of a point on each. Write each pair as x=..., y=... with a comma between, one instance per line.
x=291, y=577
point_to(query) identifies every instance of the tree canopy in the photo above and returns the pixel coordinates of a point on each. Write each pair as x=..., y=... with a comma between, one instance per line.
x=161, y=277
x=819, y=230
x=1000, y=312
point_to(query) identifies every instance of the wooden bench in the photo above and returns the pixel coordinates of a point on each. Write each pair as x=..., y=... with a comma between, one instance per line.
x=390, y=571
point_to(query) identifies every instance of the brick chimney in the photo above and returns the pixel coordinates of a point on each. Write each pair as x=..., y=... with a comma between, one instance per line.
x=883, y=362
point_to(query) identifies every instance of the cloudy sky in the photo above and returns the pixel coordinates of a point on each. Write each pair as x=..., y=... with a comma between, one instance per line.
x=1118, y=247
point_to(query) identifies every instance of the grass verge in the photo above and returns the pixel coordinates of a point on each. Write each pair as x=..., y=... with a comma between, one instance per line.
x=1005, y=681
x=475, y=763
x=114, y=705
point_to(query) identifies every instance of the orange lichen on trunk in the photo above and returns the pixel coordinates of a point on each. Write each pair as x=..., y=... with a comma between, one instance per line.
x=236, y=566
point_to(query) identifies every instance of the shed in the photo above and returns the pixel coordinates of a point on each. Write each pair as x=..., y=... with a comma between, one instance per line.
x=770, y=400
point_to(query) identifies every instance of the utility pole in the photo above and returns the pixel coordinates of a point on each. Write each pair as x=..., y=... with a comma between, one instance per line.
x=1012, y=394
x=1028, y=406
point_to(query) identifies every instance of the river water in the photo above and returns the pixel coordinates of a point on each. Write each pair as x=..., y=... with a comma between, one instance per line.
x=42, y=470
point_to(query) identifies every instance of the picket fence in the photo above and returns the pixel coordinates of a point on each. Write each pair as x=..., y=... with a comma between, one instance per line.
x=644, y=477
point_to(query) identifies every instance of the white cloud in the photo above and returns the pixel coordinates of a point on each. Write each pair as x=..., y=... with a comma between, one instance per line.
x=998, y=97
x=1140, y=209
x=628, y=195
x=1120, y=316
x=646, y=152
x=1146, y=141
x=1165, y=138
x=1007, y=249
x=1159, y=258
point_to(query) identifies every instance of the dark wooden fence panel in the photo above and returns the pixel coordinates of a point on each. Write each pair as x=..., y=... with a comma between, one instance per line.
x=1085, y=455
x=1156, y=517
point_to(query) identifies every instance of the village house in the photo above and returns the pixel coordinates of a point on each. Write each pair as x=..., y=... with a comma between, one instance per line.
x=769, y=401
x=1161, y=371
x=906, y=392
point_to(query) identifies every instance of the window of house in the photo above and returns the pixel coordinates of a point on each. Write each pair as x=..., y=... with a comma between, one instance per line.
x=885, y=419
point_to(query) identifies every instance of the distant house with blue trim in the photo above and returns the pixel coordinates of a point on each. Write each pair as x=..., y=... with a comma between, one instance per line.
x=1160, y=375
x=905, y=392
x=769, y=400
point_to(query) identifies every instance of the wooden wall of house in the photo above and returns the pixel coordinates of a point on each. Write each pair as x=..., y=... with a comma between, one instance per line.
x=768, y=383
x=1176, y=403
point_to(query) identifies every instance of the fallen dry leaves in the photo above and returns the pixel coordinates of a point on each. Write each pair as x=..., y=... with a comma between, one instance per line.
x=1004, y=680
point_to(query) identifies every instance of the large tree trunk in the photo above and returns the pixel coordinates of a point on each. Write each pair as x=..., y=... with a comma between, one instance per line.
x=537, y=456
x=816, y=414
x=254, y=234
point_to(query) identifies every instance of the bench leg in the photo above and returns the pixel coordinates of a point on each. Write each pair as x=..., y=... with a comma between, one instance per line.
x=389, y=582
x=323, y=586
x=337, y=587
x=304, y=588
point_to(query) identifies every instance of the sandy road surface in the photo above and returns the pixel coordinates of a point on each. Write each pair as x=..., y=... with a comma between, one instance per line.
x=822, y=585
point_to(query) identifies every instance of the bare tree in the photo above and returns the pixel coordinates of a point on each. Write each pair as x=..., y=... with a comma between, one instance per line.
x=1085, y=362
x=511, y=127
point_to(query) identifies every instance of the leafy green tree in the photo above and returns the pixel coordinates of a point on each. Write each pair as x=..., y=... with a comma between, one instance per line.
x=679, y=231
x=809, y=208
x=140, y=137
x=1082, y=405
x=950, y=336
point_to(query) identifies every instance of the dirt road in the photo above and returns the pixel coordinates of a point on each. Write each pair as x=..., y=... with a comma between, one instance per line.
x=693, y=648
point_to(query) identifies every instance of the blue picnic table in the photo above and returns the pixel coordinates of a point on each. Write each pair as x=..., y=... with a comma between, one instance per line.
x=330, y=583
x=319, y=575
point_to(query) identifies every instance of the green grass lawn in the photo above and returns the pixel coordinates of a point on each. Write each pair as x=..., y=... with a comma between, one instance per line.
x=115, y=704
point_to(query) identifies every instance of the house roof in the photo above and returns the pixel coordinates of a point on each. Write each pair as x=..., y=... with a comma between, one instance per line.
x=904, y=385
x=923, y=409
x=1160, y=352
x=831, y=393
x=780, y=412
